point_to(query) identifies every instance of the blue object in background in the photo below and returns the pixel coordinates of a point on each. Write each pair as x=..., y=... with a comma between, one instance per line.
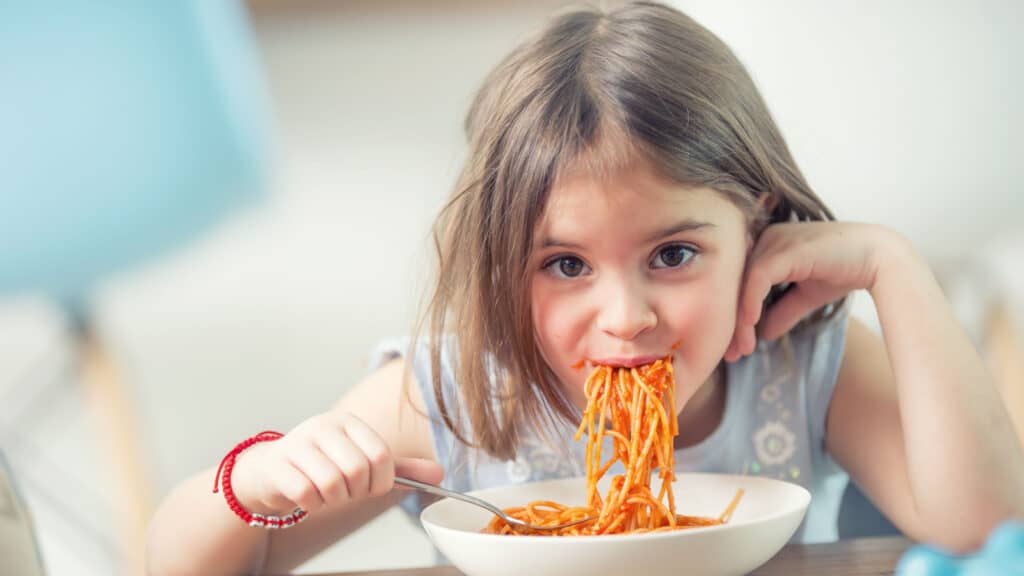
x=1002, y=555
x=126, y=128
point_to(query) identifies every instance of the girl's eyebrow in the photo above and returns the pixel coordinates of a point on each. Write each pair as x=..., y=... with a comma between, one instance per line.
x=682, y=226
x=550, y=242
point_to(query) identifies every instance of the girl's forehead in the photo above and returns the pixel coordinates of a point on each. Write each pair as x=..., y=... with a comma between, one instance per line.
x=633, y=197
x=620, y=175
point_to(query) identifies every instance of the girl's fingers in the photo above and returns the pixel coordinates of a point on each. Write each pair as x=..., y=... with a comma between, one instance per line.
x=730, y=352
x=336, y=458
x=381, y=467
x=743, y=342
x=747, y=340
x=758, y=282
x=323, y=473
x=756, y=286
x=766, y=269
x=350, y=461
x=786, y=313
x=768, y=242
x=419, y=469
x=297, y=488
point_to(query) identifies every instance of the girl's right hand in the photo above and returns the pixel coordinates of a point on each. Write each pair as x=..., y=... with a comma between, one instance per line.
x=329, y=459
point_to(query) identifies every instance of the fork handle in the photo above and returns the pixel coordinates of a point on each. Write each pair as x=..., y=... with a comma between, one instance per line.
x=439, y=491
x=514, y=522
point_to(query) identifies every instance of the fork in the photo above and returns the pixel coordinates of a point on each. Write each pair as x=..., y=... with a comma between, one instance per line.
x=515, y=522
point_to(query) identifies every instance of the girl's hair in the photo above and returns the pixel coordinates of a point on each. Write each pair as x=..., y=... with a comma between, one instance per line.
x=592, y=91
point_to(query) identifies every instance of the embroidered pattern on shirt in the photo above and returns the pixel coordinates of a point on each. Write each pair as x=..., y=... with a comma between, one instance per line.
x=774, y=443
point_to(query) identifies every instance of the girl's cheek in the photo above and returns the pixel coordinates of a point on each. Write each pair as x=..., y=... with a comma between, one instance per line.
x=704, y=327
x=697, y=315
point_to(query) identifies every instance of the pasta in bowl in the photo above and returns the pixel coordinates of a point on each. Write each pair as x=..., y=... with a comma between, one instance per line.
x=642, y=519
x=765, y=518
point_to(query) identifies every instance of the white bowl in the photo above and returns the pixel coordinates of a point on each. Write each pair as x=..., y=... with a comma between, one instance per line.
x=766, y=517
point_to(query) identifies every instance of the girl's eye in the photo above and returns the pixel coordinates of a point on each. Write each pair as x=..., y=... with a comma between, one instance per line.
x=673, y=256
x=566, y=266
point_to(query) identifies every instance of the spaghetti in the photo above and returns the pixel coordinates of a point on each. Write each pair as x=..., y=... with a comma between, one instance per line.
x=634, y=406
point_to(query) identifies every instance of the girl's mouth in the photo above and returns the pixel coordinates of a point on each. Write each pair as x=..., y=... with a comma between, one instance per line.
x=624, y=361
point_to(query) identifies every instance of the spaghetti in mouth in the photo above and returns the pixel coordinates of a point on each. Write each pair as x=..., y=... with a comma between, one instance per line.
x=634, y=406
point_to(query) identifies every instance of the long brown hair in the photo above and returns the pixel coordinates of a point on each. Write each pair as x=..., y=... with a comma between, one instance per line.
x=592, y=89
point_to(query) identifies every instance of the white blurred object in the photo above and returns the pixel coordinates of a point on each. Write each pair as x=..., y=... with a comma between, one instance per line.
x=17, y=541
x=993, y=279
x=987, y=295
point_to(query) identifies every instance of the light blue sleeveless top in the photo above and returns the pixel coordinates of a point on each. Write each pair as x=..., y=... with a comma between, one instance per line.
x=773, y=425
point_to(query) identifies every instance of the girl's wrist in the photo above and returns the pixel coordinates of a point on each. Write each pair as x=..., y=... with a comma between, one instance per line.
x=894, y=257
x=243, y=481
x=225, y=484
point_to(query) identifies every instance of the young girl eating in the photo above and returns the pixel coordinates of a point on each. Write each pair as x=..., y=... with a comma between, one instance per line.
x=627, y=197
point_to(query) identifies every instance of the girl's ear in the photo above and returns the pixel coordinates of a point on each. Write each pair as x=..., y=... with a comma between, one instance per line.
x=766, y=203
x=763, y=207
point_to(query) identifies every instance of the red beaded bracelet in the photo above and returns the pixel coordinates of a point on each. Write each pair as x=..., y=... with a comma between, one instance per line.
x=260, y=520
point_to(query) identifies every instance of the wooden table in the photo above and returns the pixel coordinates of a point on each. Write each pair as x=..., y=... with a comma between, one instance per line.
x=861, y=557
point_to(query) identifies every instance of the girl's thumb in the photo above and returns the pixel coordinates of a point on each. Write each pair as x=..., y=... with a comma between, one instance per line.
x=419, y=469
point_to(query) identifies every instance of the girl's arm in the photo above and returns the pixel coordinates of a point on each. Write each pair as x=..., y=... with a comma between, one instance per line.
x=916, y=420
x=195, y=532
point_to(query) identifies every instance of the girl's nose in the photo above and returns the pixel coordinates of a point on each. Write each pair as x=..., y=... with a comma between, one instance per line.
x=625, y=312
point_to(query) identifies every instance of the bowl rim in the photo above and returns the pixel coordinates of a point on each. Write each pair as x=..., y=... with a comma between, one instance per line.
x=803, y=494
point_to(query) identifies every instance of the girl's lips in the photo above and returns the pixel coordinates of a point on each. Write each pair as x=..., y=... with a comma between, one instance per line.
x=625, y=361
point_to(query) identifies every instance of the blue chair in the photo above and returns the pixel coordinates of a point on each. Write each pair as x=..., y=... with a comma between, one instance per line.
x=127, y=128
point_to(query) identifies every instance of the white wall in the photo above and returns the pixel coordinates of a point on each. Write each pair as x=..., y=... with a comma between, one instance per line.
x=899, y=113
x=903, y=113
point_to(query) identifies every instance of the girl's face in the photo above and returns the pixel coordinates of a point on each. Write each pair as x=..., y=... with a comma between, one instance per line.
x=628, y=265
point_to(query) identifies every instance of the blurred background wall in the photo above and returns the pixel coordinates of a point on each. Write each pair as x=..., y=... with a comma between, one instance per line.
x=899, y=113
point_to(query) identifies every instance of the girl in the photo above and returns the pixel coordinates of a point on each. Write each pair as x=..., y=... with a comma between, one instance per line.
x=626, y=190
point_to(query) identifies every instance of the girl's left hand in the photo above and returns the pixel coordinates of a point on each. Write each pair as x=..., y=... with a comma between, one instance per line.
x=824, y=261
